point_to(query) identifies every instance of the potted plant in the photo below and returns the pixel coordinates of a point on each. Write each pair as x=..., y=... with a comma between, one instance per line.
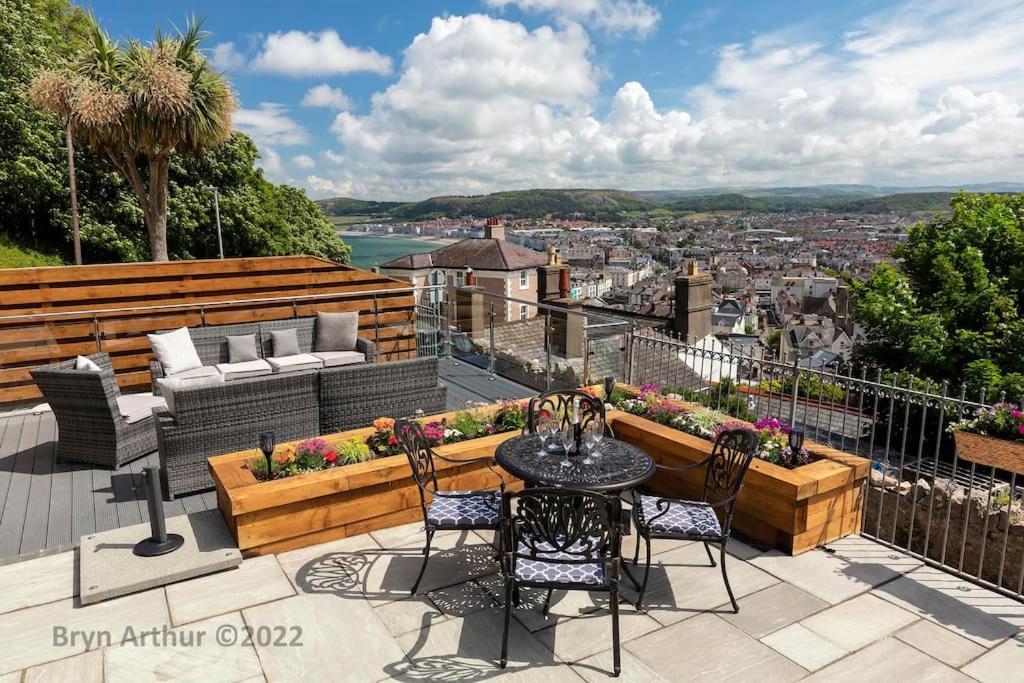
x=993, y=436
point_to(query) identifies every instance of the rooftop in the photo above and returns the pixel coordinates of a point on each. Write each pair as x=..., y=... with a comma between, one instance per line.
x=476, y=253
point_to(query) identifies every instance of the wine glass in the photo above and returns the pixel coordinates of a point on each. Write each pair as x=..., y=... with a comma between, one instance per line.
x=567, y=437
x=598, y=436
x=543, y=432
x=554, y=426
x=588, y=441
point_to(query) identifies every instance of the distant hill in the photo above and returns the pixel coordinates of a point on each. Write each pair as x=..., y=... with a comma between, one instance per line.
x=605, y=204
x=614, y=204
x=344, y=206
x=918, y=202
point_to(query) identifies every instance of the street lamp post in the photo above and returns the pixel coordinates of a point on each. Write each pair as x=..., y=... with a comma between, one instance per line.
x=216, y=213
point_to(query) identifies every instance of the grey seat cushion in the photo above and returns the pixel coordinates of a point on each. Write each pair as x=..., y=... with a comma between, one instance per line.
x=295, y=362
x=170, y=387
x=242, y=348
x=333, y=359
x=285, y=342
x=197, y=373
x=249, y=368
x=337, y=331
x=135, y=407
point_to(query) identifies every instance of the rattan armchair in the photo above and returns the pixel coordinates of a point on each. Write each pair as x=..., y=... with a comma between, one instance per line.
x=90, y=427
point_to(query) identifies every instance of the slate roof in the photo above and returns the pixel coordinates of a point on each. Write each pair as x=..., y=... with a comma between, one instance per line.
x=476, y=253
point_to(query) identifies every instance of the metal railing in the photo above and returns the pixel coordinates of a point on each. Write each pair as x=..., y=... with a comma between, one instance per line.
x=922, y=497
x=538, y=344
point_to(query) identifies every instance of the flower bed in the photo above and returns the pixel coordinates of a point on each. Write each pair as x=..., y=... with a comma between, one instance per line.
x=993, y=436
x=792, y=509
x=707, y=424
x=332, y=500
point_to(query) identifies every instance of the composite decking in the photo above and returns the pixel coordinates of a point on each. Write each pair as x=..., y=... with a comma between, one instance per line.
x=47, y=506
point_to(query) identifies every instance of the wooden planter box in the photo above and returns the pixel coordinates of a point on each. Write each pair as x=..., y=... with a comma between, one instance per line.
x=792, y=510
x=990, y=450
x=284, y=514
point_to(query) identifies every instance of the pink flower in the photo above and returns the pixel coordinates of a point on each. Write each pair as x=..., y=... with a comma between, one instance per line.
x=1020, y=429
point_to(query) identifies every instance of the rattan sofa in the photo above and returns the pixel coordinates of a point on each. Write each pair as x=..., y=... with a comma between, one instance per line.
x=88, y=408
x=212, y=346
x=226, y=417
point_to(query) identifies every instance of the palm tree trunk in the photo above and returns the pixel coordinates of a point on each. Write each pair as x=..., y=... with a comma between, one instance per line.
x=76, y=237
x=156, y=215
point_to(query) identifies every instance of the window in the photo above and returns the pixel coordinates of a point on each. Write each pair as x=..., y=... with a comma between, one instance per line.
x=524, y=311
x=524, y=279
x=460, y=277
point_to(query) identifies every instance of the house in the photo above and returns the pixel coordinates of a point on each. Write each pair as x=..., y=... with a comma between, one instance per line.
x=492, y=263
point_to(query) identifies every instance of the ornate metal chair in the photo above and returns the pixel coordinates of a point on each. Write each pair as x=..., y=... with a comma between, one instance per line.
x=709, y=519
x=562, y=404
x=561, y=538
x=446, y=510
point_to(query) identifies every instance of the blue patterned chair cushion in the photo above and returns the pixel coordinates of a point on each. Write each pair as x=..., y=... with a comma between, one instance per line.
x=548, y=568
x=684, y=517
x=482, y=508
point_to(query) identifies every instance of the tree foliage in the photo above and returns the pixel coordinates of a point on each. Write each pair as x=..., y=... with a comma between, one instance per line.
x=258, y=217
x=952, y=310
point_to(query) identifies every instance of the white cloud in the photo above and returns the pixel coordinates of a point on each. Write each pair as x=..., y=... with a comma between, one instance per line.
x=226, y=57
x=303, y=161
x=611, y=16
x=296, y=53
x=270, y=124
x=483, y=104
x=324, y=95
x=270, y=162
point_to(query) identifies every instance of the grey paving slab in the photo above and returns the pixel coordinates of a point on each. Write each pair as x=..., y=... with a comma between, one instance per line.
x=709, y=648
x=859, y=622
x=683, y=584
x=773, y=608
x=577, y=639
x=83, y=668
x=109, y=568
x=188, y=653
x=804, y=646
x=599, y=668
x=27, y=636
x=887, y=660
x=257, y=580
x=1003, y=663
x=39, y=581
x=964, y=608
x=468, y=649
x=341, y=638
x=856, y=566
x=940, y=643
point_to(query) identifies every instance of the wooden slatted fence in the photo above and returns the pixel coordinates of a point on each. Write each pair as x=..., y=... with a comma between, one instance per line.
x=51, y=314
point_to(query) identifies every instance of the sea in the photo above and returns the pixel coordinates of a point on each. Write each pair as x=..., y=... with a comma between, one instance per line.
x=371, y=250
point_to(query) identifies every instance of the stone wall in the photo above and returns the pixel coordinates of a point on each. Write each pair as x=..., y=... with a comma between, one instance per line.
x=980, y=515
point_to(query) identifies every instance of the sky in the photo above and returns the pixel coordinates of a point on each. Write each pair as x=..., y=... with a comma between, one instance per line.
x=403, y=100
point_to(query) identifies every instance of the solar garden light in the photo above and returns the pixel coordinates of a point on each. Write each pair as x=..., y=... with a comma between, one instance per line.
x=268, y=442
x=609, y=387
x=796, y=440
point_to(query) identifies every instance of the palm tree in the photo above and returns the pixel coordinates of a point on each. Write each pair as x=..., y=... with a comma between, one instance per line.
x=137, y=104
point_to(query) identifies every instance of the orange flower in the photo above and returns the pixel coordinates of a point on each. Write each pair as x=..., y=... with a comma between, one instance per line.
x=383, y=424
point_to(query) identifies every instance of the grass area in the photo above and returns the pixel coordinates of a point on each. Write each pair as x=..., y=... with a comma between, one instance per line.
x=342, y=221
x=16, y=256
x=698, y=215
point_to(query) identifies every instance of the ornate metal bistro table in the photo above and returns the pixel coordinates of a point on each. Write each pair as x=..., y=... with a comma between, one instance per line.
x=620, y=466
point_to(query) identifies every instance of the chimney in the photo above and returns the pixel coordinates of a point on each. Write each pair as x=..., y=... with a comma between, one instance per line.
x=493, y=229
x=693, y=304
x=470, y=277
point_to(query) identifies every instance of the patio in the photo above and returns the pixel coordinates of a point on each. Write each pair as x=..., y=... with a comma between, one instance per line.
x=342, y=610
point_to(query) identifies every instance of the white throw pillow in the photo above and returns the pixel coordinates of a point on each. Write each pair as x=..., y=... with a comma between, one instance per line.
x=175, y=351
x=83, y=363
